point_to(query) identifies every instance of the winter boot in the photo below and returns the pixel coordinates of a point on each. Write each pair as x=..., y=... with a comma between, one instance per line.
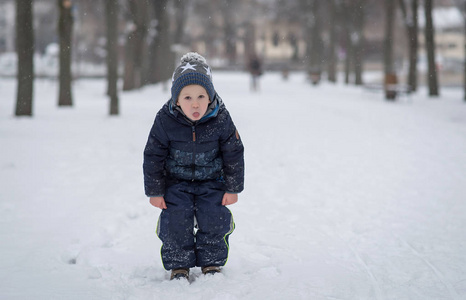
x=180, y=274
x=211, y=270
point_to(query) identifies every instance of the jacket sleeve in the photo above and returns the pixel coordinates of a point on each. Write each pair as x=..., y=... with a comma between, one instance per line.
x=233, y=157
x=155, y=154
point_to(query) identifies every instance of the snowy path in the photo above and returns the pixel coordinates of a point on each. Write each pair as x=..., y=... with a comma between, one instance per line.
x=347, y=196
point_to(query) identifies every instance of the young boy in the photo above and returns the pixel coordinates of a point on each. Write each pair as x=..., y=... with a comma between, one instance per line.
x=193, y=168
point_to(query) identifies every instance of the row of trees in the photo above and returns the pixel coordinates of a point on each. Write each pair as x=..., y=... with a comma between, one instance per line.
x=148, y=54
x=351, y=27
x=25, y=51
x=346, y=30
x=409, y=9
x=145, y=62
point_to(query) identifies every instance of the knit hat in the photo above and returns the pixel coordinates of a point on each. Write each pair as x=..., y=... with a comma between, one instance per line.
x=192, y=70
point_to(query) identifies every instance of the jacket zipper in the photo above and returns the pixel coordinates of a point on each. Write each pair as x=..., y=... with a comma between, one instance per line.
x=193, y=166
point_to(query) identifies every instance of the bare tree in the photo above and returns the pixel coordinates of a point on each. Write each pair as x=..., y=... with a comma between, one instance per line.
x=430, y=48
x=314, y=42
x=208, y=12
x=290, y=11
x=346, y=16
x=390, y=74
x=409, y=9
x=180, y=15
x=65, y=30
x=25, y=52
x=250, y=41
x=357, y=39
x=160, y=55
x=229, y=27
x=353, y=14
x=334, y=11
x=111, y=11
x=135, y=45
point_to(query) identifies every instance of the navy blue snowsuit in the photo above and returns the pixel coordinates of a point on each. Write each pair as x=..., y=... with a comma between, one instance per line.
x=192, y=165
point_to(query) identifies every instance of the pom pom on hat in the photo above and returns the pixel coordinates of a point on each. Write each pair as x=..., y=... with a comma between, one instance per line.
x=191, y=56
x=193, y=69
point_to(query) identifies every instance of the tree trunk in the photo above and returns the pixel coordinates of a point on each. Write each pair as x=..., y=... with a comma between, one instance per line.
x=388, y=42
x=25, y=52
x=413, y=47
x=314, y=43
x=228, y=8
x=65, y=30
x=295, y=45
x=250, y=41
x=390, y=73
x=111, y=11
x=411, y=22
x=332, y=59
x=358, y=40
x=180, y=15
x=430, y=48
x=316, y=47
x=129, y=69
x=135, y=45
x=347, y=39
x=161, y=56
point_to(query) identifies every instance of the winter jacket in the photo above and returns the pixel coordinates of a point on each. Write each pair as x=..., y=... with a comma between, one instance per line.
x=180, y=149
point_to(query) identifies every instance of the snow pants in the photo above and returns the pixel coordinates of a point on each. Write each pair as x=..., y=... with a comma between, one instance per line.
x=184, y=244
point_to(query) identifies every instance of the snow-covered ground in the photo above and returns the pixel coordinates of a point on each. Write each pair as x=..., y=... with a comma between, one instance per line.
x=347, y=196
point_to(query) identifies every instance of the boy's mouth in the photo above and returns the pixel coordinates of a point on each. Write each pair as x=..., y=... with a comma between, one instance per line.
x=196, y=115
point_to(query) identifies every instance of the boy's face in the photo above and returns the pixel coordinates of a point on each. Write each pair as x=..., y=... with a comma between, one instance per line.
x=193, y=100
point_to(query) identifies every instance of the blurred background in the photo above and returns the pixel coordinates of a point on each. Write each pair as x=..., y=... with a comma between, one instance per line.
x=395, y=40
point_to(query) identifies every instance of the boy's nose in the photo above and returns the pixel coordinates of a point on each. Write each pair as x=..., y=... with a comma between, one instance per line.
x=195, y=104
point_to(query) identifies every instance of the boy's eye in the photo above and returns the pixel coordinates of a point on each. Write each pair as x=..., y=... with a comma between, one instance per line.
x=187, y=97
x=201, y=96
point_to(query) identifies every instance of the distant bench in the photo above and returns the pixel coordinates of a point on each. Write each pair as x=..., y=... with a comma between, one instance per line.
x=391, y=90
